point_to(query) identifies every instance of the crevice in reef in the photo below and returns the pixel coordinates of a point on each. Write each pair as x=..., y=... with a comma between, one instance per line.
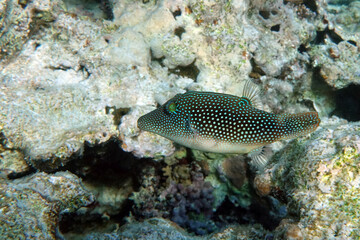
x=302, y=48
x=190, y=71
x=311, y=4
x=106, y=165
x=179, y=31
x=106, y=169
x=176, y=13
x=107, y=7
x=321, y=35
x=91, y=8
x=15, y=175
x=118, y=113
x=257, y=212
x=159, y=60
x=352, y=42
x=264, y=14
x=275, y=28
x=256, y=71
x=345, y=101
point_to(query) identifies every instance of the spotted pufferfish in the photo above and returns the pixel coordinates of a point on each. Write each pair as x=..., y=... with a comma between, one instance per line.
x=223, y=123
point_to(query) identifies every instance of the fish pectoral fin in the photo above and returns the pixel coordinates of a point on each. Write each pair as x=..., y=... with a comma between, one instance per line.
x=259, y=158
x=191, y=128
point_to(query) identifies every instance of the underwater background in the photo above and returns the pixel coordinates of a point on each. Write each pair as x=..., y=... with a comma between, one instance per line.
x=76, y=75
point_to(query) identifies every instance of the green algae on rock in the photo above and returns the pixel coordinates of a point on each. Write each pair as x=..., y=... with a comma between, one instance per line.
x=321, y=177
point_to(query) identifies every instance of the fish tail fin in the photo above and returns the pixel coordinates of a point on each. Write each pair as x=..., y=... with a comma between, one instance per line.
x=295, y=125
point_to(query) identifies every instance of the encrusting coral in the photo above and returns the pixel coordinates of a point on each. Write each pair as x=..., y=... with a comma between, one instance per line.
x=73, y=74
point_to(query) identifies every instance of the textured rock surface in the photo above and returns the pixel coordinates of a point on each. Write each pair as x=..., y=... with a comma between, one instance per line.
x=320, y=176
x=153, y=229
x=12, y=163
x=158, y=228
x=84, y=71
x=21, y=19
x=74, y=74
x=30, y=206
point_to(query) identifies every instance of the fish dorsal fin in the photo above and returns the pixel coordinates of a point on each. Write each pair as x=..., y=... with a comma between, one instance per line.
x=251, y=93
x=245, y=101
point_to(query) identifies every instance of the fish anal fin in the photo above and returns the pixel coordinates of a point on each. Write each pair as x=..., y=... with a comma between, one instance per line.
x=259, y=157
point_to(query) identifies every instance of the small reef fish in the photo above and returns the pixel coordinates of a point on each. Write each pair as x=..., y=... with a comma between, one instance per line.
x=222, y=123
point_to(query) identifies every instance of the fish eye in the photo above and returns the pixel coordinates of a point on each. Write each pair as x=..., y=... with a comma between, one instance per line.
x=172, y=107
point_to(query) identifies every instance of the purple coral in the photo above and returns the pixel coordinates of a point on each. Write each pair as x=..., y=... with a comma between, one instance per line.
x=192, y=205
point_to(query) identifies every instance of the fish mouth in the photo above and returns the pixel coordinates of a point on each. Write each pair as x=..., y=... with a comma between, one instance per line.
x=150, y=121
x=142, y=122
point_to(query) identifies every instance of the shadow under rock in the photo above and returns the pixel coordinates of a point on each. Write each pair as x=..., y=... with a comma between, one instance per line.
x=105, y=166
x=346, y=101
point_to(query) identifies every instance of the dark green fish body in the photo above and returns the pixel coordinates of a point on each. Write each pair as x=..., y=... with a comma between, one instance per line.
x=223, y=123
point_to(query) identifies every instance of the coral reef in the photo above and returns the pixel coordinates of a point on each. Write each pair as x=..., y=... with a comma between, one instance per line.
x=192, y=206
x=188, y=202
x=31, y=205
x=12, y=163
x=22, y=19
x=152, y=229
x=159, y=228
x=320, y=177
x=166, y=47
x=75, y=75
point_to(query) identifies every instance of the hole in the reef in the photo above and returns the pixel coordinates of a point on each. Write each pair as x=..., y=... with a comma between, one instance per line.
x=190, y=71
x=352, y=42
x=347, y=102
x=275, y=28
x=78, y=223
x=60, y=67
x=256, y=72
x=117, y=112
x=176, y=13
x=264, y=14
x=159, y=60
x=285, y=71
x=107, y=8
x=320, y=87
x=302, y=48
x=23, y=3
x=228, y=213
x=311, y=4
x=85, y=71
x=107, y=39
x=179, y=31
x=308, y=103
x=15, y=175
x=321, y=35
x=104, y=163
x=102, y=166
x=334, y=37
x=37, y=45
x=91, y=8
